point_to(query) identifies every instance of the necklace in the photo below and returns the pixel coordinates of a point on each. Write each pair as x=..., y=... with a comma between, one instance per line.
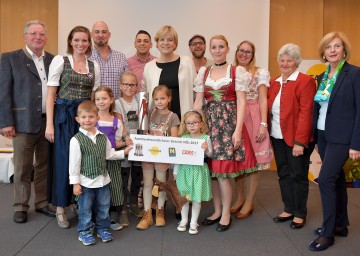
x=221, y=64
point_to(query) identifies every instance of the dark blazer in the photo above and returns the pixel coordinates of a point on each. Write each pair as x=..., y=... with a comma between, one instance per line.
x=296, y=105
x=342, y=124
x=20, y=91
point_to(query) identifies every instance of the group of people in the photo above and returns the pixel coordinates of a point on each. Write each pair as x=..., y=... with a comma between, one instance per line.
x=85, y=105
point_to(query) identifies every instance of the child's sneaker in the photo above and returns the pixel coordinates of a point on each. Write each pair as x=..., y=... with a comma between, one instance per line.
x=182, y=226
x=105, y=235
x=193, y=230
x=115, y=226
x=86, y=238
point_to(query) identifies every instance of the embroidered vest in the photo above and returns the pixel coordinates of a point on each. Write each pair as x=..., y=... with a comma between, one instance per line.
x=74, y=85
x=93, y=156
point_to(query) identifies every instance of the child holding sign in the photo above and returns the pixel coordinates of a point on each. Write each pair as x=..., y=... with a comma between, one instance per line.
x=194, y=181
x=162, y=122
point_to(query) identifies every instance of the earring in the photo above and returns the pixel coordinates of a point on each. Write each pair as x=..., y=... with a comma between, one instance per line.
x=344, y=56
x=324, y=57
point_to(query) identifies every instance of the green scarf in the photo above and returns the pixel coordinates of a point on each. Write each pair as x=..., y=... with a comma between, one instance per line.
x=326, y=86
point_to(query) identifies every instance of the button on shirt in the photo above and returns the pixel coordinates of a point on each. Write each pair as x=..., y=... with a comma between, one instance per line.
x=75, y=162
x=111, y=69
x=136, y=66
x=275, y=118
x=39, y=63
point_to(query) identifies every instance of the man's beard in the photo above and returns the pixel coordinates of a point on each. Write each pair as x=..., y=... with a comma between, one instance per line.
x=198, y=55
x=100, y=43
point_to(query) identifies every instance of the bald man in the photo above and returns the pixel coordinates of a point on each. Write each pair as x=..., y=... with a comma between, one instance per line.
x=112, y=63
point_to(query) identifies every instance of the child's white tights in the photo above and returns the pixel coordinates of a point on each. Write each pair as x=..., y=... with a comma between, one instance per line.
x=195, y=212
x=148, y=176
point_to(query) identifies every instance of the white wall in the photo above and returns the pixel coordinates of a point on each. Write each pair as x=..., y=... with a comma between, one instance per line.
x=237, y=20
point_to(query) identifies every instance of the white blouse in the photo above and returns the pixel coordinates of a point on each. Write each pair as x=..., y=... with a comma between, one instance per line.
x=242, y=80
x=57, y=67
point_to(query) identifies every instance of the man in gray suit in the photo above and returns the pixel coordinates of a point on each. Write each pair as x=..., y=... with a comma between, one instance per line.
x=23, y=78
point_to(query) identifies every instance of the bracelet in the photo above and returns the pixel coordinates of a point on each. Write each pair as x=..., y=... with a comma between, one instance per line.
x=124, y=136
x=264, y=124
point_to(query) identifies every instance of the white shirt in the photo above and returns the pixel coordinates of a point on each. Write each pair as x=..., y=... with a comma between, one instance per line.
x=75, y=162
x=39, y=63
x=275, y=110
x=322, y=115
x=57, y=66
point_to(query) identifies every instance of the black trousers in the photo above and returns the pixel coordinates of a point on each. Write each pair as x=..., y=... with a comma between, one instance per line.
x=332, y=185
x=293, y=177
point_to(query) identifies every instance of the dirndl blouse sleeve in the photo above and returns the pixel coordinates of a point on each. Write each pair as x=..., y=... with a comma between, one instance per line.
x=242, y=79
x=264, y=77
x=55, y=70
x=199, y=80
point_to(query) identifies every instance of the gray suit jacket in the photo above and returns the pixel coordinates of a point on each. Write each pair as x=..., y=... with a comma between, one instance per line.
x=20, y=91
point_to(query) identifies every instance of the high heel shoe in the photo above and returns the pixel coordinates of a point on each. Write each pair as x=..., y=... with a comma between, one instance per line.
x=222, y=228
x=236, y=210
x=64, y=223
x=245, y=215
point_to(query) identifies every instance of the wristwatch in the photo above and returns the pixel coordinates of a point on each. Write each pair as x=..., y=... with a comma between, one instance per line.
x=264, y=124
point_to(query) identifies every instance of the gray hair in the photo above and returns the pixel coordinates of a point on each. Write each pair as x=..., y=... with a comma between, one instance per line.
x=291, y=50
x=33, y=22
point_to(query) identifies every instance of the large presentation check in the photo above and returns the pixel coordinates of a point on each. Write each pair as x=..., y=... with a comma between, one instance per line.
x=159, y=149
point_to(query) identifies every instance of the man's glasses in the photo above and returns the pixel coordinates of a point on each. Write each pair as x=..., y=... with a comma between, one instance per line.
x=191, y=124
x=245, y=52
x=126, y=85
x=197, y=43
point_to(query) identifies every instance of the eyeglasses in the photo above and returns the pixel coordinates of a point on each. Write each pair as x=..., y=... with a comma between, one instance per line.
x=34, y=34
x=197, y=43
x=191, y=124
x=244, y=51
x=126, y=85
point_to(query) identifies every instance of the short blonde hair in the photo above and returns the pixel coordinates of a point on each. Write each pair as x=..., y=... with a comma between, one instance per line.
x=291, y=50
x=328, y=38
x=198, y=113
x=167, y=30
x=87, y=106
x=128, y=73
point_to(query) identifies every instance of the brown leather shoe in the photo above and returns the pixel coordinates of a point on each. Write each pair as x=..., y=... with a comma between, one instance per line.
x=245, y=215
x=20, y=216
x=236, y=210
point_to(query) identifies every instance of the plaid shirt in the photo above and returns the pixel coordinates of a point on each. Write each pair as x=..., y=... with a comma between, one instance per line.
x=111, y=69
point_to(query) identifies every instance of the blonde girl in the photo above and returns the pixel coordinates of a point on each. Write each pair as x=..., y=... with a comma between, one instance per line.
x=193, y=181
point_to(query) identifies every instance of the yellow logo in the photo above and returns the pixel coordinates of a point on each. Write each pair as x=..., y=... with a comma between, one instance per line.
x=154, y=150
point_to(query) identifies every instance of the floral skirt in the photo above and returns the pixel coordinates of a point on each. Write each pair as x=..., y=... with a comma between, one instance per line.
x=227, y=162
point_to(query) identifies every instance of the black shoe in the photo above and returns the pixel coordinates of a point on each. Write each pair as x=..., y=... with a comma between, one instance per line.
x=279, y=219
x=45, y=210
x=343, y=232
x=295, y=225
x=20, y=217
x=321, y=243
x=208, y=222
x=222, y=228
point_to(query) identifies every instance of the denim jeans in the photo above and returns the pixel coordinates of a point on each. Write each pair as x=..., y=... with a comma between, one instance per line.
x=100, y=198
